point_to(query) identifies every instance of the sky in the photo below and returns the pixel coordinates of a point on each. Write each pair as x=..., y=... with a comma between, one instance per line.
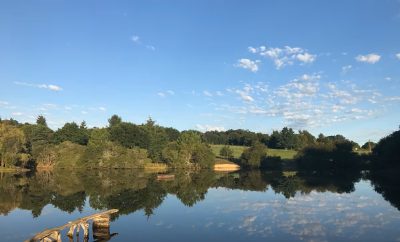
x=329, y=67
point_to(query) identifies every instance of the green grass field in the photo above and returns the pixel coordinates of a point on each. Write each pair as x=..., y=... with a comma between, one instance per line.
x=238, y=150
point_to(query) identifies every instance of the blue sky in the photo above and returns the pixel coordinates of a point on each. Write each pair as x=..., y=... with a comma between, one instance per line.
x=324, y=66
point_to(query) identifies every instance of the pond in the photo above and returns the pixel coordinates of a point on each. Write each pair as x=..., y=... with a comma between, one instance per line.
x=204, y=206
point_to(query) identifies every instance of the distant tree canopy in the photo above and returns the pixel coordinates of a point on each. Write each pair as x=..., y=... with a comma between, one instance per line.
x=132, y=145
x=287, y=138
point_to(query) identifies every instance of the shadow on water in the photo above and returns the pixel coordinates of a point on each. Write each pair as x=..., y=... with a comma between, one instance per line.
x=133, y=190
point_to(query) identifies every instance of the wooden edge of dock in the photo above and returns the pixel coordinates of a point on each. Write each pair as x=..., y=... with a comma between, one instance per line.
x=48, y=232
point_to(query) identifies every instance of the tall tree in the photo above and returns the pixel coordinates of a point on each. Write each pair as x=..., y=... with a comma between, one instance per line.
x=114, y=120
x=13, y=151
x=287, y=138
x=72, y=132
x=41, y=120
x=253, y=156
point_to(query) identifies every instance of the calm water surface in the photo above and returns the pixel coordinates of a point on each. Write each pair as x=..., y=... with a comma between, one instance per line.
x=204, y=206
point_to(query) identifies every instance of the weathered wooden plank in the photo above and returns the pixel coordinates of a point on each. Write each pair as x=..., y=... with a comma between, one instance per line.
x=76, y=223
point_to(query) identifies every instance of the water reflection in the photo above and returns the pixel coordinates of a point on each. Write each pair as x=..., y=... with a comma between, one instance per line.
x=280, y=205
x=132, y=190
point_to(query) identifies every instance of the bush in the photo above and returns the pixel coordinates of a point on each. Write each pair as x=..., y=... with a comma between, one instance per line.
x=271, y=163
x=188, y=150
x=253, y=156
x=226, y=152
x=328, y=157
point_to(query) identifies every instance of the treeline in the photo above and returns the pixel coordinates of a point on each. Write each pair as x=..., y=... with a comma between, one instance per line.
x=286, y=138
x=127, y=145
x=329, y=156
x=119, y=145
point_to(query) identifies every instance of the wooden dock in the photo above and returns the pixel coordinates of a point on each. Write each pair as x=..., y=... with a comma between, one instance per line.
x=101, y=228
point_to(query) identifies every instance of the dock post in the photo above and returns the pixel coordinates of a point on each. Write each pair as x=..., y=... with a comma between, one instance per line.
x=101, y=227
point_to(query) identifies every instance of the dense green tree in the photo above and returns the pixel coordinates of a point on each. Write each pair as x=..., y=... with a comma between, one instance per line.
x=305, y=139
x=274, y=139
x=329, y=158
x=226, y=152
x=368, y=146
x=129, y=135
x=253, y=156
x=175, y=155
x=188, y=149
x=387, y=152
x=99, y=137
x=114, y=120
x=13, y=150
x=38, y=134
x=39, y=137
x=172, y=134
x=72, y=132
x=157, y=139
x=234, y=137
x=41, y=120
x=287, y=139
x=203, y=156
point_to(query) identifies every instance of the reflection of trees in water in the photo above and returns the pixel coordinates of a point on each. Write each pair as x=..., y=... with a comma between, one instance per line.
x=133, y=190
x=251, y=180
x=387, y=183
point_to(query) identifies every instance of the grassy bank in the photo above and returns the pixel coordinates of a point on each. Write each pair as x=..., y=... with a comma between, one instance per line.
x=238, y=150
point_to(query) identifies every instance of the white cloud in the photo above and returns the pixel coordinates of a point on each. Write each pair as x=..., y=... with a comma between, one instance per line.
x=207, y=93
x=166, y=93
x=103, y=109
x=307, y=102
x=398, y=56
x=370, y=58
x=219, y=93
x=245, y=93
x=135, y=39
x=248, y=64
x=150, y=47
x=306, y=57
x=393, y=98
x=3, y=103
x=170, y=92
x=346, y=69
x=313, y=77
x=245, y=97
x=252, y=50
x=342, y=96
x=44, y=86
x=305, y=86
x=284, y=56
x=52, y=87
x=207, y=127
x=17, y=114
